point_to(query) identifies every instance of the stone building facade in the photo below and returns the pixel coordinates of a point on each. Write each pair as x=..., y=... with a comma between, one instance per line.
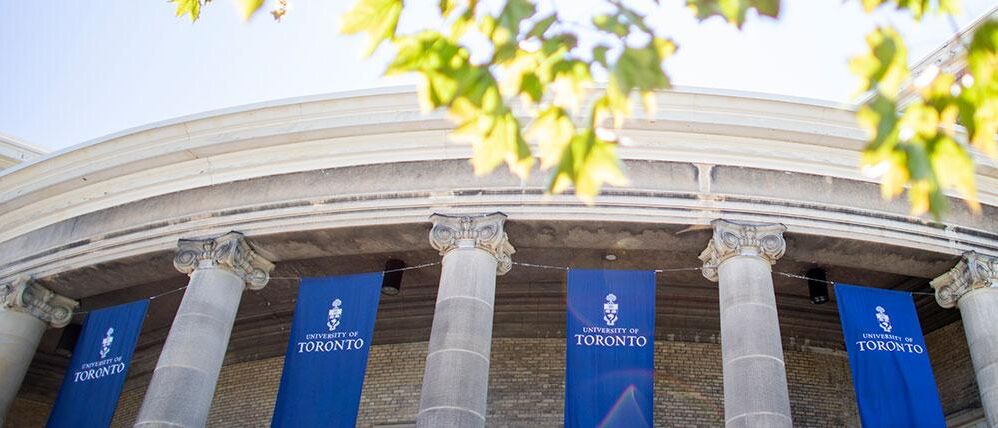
x=733, y=197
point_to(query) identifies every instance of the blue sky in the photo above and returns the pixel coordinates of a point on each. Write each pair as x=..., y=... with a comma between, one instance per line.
x=75, y=71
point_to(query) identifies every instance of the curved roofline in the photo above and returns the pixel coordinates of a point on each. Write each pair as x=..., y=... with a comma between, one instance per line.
x=382, y=90
x=19, y=144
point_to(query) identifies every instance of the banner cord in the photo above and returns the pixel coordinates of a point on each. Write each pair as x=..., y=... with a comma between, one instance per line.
x=533, y=265
x=786, y=274
x=424, y=265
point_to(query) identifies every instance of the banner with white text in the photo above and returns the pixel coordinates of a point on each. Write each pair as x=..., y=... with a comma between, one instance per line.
x=890, y=365
x=97, y=370
x=327, y=353
x=610, y=358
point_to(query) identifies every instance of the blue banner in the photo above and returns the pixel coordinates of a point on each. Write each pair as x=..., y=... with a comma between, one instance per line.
x=610, y=361
x=327, y=353
x=97, y=371
x=890, y=365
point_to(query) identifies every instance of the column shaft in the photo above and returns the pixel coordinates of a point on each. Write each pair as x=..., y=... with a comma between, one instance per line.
x=183, y=383
x=755, y=379
x=972, y=285
x=455, y=382
x=20, y=333
x=979, y=310
x=739, y=257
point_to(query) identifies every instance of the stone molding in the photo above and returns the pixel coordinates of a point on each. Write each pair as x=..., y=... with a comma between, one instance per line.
x=763, y=240
x=485, y=232
x=25, y=295
x=973, y=271
x=230, y=251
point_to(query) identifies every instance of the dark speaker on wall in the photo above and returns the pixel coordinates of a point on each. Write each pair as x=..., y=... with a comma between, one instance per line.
x=817, y=285
x=67, y=342
x=391, y=283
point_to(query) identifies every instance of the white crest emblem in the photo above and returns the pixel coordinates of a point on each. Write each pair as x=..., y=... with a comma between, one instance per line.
x=610, y=310
x=335, y=312
x=105, y=344
x=884, y=319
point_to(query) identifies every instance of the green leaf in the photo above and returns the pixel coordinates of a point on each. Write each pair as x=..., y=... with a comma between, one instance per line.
x=918, y=8
x=531, y=86
x=378, y=18
x=599, y=54
x=542, y=26
x=570, y=81
x=503, y=142
x=188, y=7
x=954, y=169
x=611, y=24
x=506, y=28
x=588, y=162
x=552, y=130
x=884, y=67
x=734, y=11
x=980, y=100
x=636, y=69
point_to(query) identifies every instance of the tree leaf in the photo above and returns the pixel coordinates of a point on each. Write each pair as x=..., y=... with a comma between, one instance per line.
x=884, y=67
x=188, y=7
x=981, y=98
x=378, y=18
x=588, y=162
x=734, y=11
x=248, y=7
x=553, y=130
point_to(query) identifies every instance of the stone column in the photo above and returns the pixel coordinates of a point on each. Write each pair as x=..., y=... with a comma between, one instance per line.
x=973, y=287
x=455, y=382
x=26, y=310
x=183, y=383
x=739, y=258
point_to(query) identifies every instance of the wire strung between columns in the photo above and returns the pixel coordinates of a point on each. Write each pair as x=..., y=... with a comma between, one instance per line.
x=154, y=297
x=424, y=265
x=786, y=274
x=532, y=265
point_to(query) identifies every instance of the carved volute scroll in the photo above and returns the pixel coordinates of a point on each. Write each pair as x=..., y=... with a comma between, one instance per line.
x=230, y=251
x=23, y=294
x=973, y=271
x=485, y=232
x=742, y=239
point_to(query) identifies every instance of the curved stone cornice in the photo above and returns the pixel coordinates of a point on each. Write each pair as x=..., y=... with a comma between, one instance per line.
x=742, y=239
x=484, y=232
x=230, y=251
x=974, y=271
x=25, y=295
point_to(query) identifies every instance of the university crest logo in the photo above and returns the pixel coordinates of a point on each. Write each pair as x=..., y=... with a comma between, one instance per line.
x=105, y=344
x=884, y=320
x=610, y=310
x=335, y=312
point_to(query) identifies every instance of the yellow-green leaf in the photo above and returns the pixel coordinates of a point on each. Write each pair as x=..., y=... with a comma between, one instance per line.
x=378, y=18
x=884, y=67
x=552, y=130
x=248, y=7
x=734, y=11
x=588, y=162
x=188, y=7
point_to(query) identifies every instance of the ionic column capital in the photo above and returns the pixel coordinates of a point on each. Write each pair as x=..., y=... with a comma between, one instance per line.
x=485, y=232
x=230, y=251
x=973, y=271
x=25, y=295
x=763, y=240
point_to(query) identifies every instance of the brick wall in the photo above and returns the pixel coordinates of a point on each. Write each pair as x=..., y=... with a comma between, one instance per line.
x=953, y=369
x=526, y=385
